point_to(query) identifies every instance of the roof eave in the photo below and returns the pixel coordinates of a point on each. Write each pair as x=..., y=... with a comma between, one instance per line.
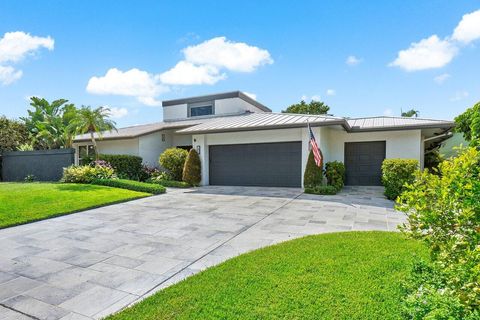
x=405, y=127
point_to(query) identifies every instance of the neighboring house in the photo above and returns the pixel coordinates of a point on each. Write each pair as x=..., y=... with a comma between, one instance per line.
x=242, y=142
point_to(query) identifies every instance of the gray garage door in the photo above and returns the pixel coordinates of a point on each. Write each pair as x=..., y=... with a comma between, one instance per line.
x=363, y=163
x=260, y=164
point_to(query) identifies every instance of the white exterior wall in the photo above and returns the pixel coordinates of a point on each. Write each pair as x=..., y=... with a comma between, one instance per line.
x=175, y=112
x=151, y=146
x=124, y=146
x=405, y=144
x=234, y=105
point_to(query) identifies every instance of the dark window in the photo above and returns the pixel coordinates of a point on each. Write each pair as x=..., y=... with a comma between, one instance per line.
x=85, y=154
x=201, y=111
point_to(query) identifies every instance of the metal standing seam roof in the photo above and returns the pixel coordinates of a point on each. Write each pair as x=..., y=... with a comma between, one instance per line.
x=385, y=123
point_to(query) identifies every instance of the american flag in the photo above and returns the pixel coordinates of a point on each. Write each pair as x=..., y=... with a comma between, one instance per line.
x=317, y=154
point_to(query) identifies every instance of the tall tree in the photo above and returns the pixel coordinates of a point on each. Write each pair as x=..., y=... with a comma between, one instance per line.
x=469, y=124
x=12, y=134
x=314, y=107
x=411, y=113
x=93, y=121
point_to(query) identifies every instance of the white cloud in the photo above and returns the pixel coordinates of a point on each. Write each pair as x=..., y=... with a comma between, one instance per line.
x=186, y=73
x=331, y=92
x=315, y=97
x=428, y=53
x=388, y=112
x=9, y=75
x=251, y=95
x=15, y=46
x=118, y=113
x=440, y=79
x=134, y=82
x=460, y=95
x=352, y=60
x=468, y=29
x=222, y=53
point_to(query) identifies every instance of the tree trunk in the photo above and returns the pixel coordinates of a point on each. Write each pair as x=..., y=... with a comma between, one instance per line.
x=94, y=145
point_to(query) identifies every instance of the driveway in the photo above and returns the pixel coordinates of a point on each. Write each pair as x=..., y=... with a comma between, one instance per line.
x=90, y=264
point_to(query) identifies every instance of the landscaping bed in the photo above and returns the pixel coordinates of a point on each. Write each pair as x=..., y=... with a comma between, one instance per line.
x=351, y=275
x=27, y=202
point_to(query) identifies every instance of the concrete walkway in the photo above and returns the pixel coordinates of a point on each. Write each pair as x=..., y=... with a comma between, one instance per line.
x=90, y=264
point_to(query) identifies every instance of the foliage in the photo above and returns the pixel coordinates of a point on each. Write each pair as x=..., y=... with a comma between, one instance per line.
x=396, y=173
x=131, y=185
x=25, y=147
x=27, y=202
x=169, y=183
x=192, y=169
x=92, y=121
x=433, y=160
x=348, y=275
x=125, y=166
x=173, y=160
x=313, y=174
x=411, y=113
x=148, y=172
x=314, y=107
x=49, y=123
x=30, y=178
x=444, y=211
x=335, y=173
x=469, y=124
x=325, y=190
x=86, y=174
x=162, y=175
x=12, y=134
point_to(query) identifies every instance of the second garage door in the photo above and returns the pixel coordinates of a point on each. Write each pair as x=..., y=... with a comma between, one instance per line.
x=363, y=163
x=259, y=164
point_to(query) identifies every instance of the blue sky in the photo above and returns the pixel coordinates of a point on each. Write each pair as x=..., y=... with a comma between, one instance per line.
x=130, y=55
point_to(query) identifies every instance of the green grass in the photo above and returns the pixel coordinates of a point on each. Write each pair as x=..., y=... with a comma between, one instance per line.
x=171, y=183
x=26, y=202
x=352, y=275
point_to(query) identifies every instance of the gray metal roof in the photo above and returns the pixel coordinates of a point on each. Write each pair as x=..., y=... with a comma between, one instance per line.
x=217, y=96
x=258, y=121
x=385, y=123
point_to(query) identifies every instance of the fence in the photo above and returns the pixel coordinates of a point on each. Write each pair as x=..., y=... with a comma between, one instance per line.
x=44, y=165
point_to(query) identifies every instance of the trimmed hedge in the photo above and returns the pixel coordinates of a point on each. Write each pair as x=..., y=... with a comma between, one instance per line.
x=335, y=173
x=192, y=169
x=325, y=190
x=131, y=185
x=169, y=183
x=126, y=166
x=396, y=173
x=173, y=160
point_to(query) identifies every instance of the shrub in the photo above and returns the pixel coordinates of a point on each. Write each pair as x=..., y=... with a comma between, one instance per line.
x=444, y=211
x=192, y=169
x=313, y=174
x=395, y=174
x=325, y=190
x=86, y=174
x=126, y=166
x=131, y=185
x=169, y=183
x=149, y=172
x=335, y=173
x=173, y=160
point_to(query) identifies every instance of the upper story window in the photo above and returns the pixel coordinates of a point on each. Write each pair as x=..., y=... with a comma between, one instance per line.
x=201, y=109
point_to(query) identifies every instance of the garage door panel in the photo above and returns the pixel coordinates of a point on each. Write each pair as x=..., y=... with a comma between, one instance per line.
x=262, y=164
x=363, y=162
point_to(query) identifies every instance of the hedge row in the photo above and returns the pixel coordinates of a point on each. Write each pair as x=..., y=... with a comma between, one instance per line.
x=131, y=185
x=126, y=166
x=324, y=190
x=396, y=173
x=170, y=183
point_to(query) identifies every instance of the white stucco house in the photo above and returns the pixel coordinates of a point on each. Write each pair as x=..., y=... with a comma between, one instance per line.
x=242, y=142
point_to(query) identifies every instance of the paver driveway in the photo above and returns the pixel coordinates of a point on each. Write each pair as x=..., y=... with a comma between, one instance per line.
x=89, y=264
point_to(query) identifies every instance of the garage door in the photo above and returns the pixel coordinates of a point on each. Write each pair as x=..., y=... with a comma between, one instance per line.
x=363, y=163
x=260, y=164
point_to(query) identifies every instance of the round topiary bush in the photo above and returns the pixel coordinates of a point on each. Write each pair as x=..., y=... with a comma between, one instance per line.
x=313, y=174
x=192, y=169
x=173, y=160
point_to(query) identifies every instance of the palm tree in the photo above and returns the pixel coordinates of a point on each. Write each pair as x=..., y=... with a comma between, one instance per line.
x=410, y=113
x=93, y=121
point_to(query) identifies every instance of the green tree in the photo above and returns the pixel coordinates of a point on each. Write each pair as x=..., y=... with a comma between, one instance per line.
x=13, y=134
x=313, y=175
x=314, y=107
x=468, y=123
x=92, y=121
x=48, y=123
x=192, y=169
x=411, y=113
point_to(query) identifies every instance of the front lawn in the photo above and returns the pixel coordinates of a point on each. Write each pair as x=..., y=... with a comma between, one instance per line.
x=352, y=275
x=27, y=202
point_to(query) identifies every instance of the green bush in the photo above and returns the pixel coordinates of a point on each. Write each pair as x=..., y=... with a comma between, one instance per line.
x=131, y=185
x=396, y=173
x=86, y=174
x=192, y=169
x=335, y=173
x=325, y=190
x=313, y=175
x=173, y=160
x=126, y=166
x=444, y=212
x=169, y=183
